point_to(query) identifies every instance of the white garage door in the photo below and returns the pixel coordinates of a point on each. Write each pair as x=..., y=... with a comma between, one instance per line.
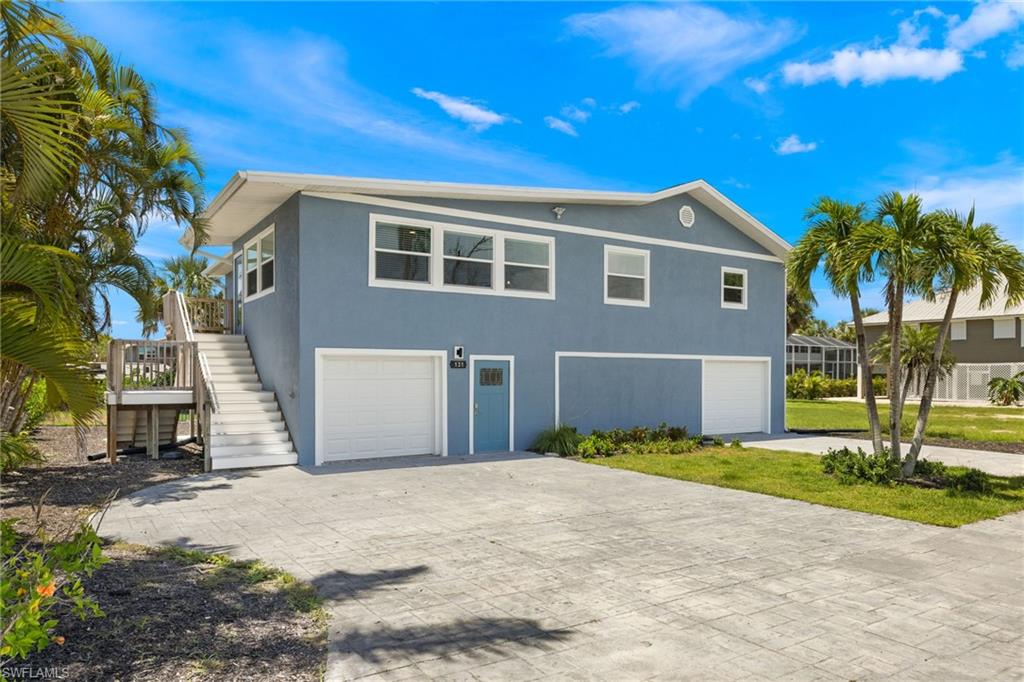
x=735, y=397
x=378, y=406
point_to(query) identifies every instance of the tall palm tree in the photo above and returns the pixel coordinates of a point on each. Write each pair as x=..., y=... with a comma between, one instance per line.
x=916, y=355
x=958, y=256
x=833, y=225
x=185, y=274
x=895, y=241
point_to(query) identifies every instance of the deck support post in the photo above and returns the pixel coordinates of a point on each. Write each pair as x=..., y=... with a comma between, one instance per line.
x=153, y=432
x=111, y=434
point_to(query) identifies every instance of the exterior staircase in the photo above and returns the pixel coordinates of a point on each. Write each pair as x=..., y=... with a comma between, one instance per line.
x=247, y=430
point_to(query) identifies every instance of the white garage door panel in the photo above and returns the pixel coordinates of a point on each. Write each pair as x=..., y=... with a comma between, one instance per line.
x=735, y=397
x=377, y=407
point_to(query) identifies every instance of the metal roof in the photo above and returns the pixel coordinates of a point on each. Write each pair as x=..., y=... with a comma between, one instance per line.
x=968, y=307
x=819, y=341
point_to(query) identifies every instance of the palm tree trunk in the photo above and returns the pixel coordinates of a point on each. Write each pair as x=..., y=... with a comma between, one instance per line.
x=895, y=368
x=931, y=378
x=865, y=371
x=907, y=381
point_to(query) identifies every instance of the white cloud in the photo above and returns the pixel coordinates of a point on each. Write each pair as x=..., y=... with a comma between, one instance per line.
x=912, y=31
x=987, y=20
x=629, y=106
x=561, y=126
x=589, y=102
x=793, y=145
x=690, y=46
x=1015, y=58
x=575, y=113
x=758, y=85
x=463, y=109
x=733, y=182
x=872, y=67
x=996, y=191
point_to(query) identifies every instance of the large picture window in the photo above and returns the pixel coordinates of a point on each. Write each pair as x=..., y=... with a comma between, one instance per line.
x=417, y=254
x=626, y=276
x=259, y=264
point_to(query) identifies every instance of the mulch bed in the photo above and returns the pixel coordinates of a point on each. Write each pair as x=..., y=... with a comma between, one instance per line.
x=165, y=619
x=990, y=445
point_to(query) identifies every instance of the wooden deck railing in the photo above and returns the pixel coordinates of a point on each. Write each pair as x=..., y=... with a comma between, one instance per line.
x=139, y=365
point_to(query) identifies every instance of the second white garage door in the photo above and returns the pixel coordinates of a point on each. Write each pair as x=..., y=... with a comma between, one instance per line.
x=735, y=396
x=378, y=406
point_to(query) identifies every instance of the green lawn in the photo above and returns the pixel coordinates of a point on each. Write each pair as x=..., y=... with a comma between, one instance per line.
x=1004, y=424
x=798, y=476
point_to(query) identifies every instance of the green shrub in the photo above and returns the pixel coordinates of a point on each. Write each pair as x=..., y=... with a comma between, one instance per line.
x=562, y=440
x=17, y=450
x=639, y=440
x=736, y=443
x=880, y=385
x=968, y=481
x=803, y=386
x=40, y=576
x=932, y=471
x=35, y=407
x=856, y=466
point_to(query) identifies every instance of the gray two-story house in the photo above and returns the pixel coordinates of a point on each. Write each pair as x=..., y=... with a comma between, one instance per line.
x=376, y=318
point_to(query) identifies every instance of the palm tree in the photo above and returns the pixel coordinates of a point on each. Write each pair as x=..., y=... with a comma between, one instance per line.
x=958, y=256
x=916, y=355
x=799, y=310
x=1003, y=391
x=185, y=274
x=895, y=240
x=834, y=224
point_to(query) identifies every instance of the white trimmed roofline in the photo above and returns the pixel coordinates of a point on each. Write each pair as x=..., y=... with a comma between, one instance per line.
x=231, y=214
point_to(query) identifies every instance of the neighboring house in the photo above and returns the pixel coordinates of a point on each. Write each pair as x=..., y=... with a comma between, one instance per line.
x=834, y=358
x=399, y=318
x=987, y=342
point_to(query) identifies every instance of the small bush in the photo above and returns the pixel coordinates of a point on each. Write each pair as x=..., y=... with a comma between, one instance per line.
x=16, y=451
x=968, y=481
x=35, y=407
x=40, y=575
x=932, y=471
x=640, y=440
x=856, y=466
x=880, y=386
x=814, y=386
x=562, y=440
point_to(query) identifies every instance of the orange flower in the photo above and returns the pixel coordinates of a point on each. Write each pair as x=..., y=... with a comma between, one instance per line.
x=59, y=639
x=46, y=590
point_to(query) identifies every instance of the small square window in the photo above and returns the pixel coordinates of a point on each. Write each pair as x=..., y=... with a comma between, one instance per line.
x=1004, y=329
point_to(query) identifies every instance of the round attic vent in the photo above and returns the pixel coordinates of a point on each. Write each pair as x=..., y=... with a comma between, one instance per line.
x=686, y=216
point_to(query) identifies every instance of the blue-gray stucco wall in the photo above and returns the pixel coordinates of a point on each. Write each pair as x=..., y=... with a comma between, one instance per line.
x=327, y=276
x=271, y=322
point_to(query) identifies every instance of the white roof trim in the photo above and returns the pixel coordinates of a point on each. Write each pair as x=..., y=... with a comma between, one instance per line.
x=251, y=195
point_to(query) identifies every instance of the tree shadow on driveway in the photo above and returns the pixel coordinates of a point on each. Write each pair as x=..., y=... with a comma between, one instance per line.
x=338, y=585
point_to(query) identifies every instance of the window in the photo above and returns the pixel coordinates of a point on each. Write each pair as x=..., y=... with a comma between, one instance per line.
x=626, y=280
x=527, y=265
x=1004, y=329
x=734, y=288
x=492, y=376
x=408, y=253
x=468, y=259
x=402, y=252
x=259, y=264
x=958, y=331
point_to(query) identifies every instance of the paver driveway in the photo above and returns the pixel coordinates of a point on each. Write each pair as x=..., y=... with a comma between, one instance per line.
x=524, y=567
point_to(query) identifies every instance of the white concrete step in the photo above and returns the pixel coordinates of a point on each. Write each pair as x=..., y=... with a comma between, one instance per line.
x=232, y=384
x=249, y=461
x=240, y=353
x=243, y=427
x=243, y=414
x=205, y=339
x=219, y=361
x=256, y=396
x=240, y=408
x=260, y=449
x=258, y=440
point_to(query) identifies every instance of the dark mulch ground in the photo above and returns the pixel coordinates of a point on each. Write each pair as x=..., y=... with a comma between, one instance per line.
x=169, y=616
x=994, y=446
x=77, y=486
x=169, y=619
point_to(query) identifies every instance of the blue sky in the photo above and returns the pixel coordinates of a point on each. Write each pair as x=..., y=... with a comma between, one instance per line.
x=773, y=103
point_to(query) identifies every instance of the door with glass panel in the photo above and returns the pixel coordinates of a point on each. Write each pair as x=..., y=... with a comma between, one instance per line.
x=491, y=401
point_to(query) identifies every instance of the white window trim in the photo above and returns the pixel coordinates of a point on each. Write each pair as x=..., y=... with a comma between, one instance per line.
x=995, y=328
x=954, y=327
x=440, y=358
x=646, y=303
x=511, y=360
x=260, y=293
x=721, y=288
x=436, y=275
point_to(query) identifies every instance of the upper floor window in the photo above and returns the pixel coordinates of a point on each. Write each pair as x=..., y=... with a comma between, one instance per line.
x=958, y=330
x=626, y=276
x=734, y=288
x=1004, y=329
x=259, y=264
x=409, y=253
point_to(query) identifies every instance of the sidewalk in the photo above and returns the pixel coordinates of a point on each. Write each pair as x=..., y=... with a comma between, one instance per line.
x=998, y=463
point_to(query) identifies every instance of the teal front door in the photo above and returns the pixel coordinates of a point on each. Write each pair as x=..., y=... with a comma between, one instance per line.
x=491, y=397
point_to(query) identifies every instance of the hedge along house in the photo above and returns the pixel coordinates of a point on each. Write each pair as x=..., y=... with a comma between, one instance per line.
x=391, y=318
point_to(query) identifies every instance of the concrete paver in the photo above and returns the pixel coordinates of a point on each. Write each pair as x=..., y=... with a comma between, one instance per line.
x=520, y=567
